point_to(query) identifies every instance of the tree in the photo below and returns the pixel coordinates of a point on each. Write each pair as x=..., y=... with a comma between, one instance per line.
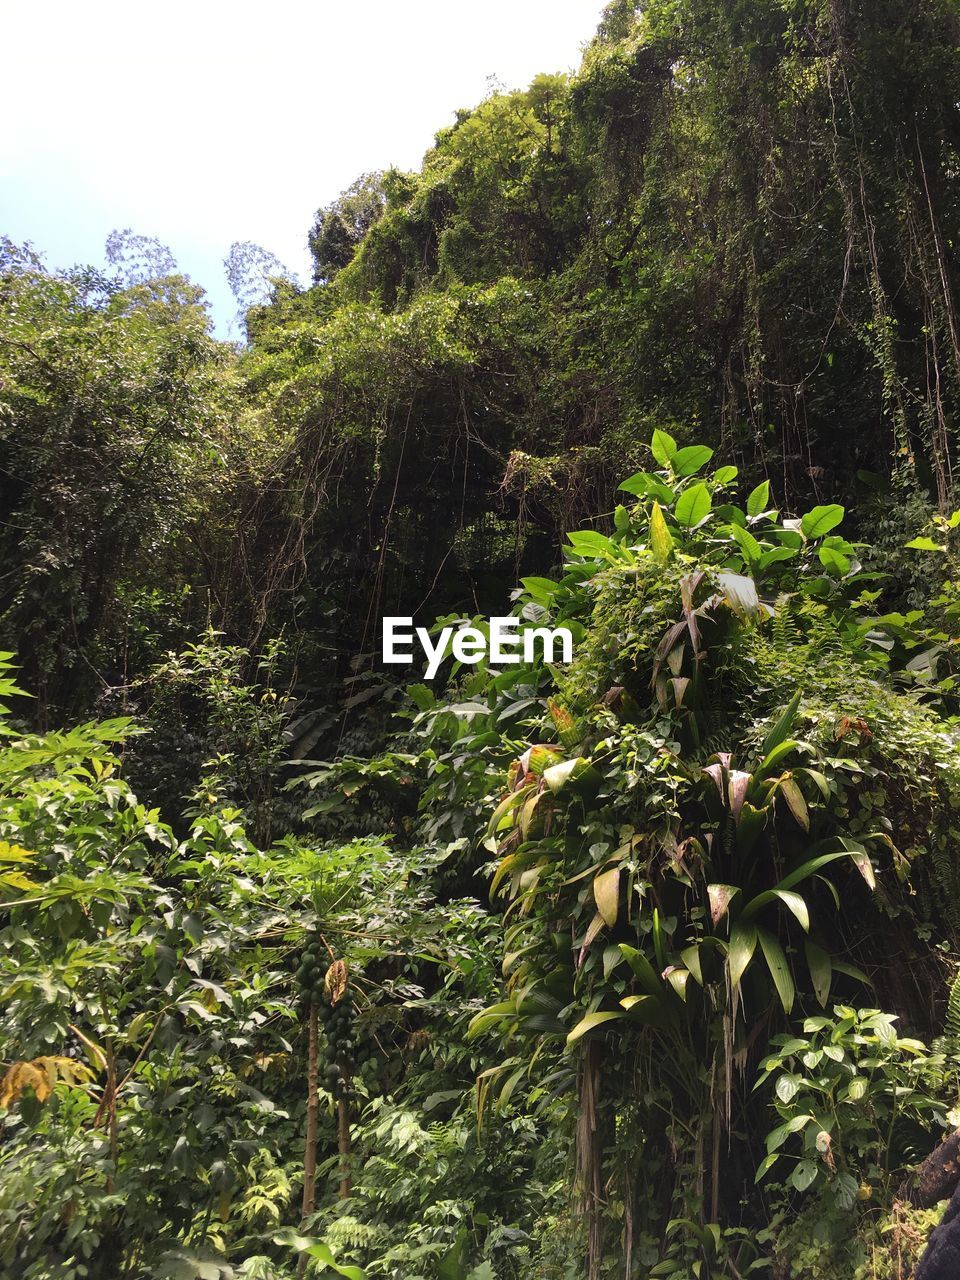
x=339, y=228
x=139, y=259
x=254, y=275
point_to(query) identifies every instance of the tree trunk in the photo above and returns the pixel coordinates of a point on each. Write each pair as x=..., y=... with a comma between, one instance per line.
x=937, y=1178
x=343, y=1146
x=313, y=1114
x=589, y=1157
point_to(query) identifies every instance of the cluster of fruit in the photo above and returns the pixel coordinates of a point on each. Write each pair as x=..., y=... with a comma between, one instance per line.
x=325, y=983
x=337, y=1020
x=312, y=973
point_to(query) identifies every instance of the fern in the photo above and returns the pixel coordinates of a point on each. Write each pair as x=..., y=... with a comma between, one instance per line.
x=951, y=1022
x=947, y=882
x=949, y=1041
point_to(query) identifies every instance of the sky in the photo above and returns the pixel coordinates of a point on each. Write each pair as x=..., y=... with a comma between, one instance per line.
x=202, y=123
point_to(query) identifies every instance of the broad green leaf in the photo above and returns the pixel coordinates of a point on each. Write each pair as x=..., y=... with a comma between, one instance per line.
x=590, y=544
x=643, y=484
x=318, y=1249
x=766, y=1164
x=15, y=853
x=693, y=505
x=743, y=942
x=678, y=980
x=821, y=520
x=807, y=869
x=611, y=958
x=804, y=1175
x=663, y=447
x=723, y=475
x=924, y=544
x=773, y=757
x=821, y=971
x=777, y=1137
x=759, y=499
x=527, y=821
x=689, y=460
x=795, y=904
x=851, y=971
x=861, y=859
x=420, y=694
x=792, y=901
x=752, y=551
x=781, y=730
x=490, y=1017
x=691, y=958
x=774, y=554
x=779, y=969
x=641, y=966
x=833, y=560
x=590, y=1023
x=787, y=1087
x=541, y=589
x=816, y=777
x=508, y=803
x=322, y=1253
x=634, y=1001
x=510, y=865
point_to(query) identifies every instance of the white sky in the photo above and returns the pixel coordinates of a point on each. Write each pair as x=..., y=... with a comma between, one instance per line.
x=208, y=122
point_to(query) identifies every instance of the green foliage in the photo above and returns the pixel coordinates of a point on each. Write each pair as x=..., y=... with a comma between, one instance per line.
x=675, y=864
x=731, y=233
x=152, y=1097
x=221, y=722
x=859, y=1101
x=107, y=399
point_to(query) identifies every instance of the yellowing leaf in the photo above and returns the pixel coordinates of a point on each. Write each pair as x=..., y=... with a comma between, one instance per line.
x=606, y=892
x=41, y=1075
x=795, y=802
x=720, y=896
x=15, y=853
x=661, y=542
x=563, y=722
x=94, y=1052
x=335, y=982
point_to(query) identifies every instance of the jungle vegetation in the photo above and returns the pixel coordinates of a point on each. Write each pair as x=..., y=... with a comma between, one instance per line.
x=644, y=966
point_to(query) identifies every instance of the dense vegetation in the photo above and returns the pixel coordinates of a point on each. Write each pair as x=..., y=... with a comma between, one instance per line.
x=643, y=966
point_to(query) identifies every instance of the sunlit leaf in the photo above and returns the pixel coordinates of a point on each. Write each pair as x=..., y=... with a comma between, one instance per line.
x=661, y=540
x=663, y=447
x=759, y=499
x=693, y=505
x=821, y=520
